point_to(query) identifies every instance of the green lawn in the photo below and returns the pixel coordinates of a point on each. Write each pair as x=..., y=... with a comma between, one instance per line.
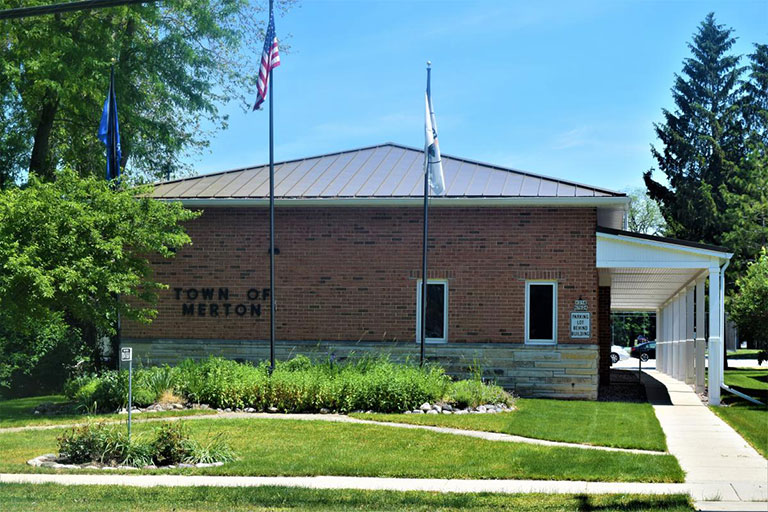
x=744, y=353
x=26, y=497
x=18, y=412
x=623, y=425
x=293, y=447
x=749, y=420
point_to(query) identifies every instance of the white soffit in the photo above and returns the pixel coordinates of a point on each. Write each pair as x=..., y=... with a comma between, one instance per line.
x=646, y=271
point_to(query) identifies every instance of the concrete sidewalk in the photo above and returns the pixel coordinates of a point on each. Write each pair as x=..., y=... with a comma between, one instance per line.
x=710, y=452
x=370, y=483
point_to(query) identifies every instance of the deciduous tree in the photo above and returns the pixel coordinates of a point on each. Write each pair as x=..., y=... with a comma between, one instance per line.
x=68, y=249
x=176, y=63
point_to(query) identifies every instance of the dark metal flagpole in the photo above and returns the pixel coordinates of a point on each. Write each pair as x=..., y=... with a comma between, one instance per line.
x=271, y=222
x=425, y=241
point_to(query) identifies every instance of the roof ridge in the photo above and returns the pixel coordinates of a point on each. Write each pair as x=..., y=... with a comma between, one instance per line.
x=408, y=148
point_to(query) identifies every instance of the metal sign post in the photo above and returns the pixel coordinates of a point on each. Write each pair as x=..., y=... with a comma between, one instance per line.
x=126, y=356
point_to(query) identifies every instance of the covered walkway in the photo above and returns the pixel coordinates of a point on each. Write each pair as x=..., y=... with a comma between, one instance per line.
x=669, y=277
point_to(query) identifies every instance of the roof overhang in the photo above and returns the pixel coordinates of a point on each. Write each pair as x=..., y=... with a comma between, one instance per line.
x=644, y=271
x=594, y=202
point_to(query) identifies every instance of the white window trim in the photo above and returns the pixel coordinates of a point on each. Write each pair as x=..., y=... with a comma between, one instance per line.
x=528, y=339
x=444, y=339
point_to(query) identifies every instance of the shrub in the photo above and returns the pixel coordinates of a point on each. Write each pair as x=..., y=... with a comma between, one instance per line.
x=97, y=442
x=471, y=393
x=171, y=444
x=297, y=385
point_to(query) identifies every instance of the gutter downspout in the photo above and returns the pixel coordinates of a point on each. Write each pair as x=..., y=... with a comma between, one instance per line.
x=742, y=395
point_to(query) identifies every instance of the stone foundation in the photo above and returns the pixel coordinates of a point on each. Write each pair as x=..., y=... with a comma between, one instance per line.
x=551, y=371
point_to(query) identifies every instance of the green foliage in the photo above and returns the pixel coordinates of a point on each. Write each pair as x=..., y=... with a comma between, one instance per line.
x=702, y=139
x=713, y=148
x=297, y=385
x=176, y=63
x=749, y=307
x=68, y=249
x=627, y=326
x=644, y=214
x=94, y=442
x=471, y=393
x=170, y=444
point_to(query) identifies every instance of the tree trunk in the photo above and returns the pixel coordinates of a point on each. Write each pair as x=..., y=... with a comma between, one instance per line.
x=40, y=163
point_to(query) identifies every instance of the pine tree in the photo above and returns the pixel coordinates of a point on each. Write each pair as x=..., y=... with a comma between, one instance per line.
x=702, y=140
x=747, y=192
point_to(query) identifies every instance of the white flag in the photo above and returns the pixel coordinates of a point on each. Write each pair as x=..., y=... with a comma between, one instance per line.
x=434, y=166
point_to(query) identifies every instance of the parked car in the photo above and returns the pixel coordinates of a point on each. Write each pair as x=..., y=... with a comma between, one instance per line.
x=644, y=351
x=618, y=354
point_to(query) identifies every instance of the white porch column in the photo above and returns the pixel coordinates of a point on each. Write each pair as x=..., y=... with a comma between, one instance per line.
x=670, y=355
x=679, y=336
x=659, y=339
x=689, y=335
x=715, y=343
x=701, y=341
x=670, y=338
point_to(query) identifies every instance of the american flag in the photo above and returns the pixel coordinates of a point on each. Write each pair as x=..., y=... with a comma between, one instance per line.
x=270, y=59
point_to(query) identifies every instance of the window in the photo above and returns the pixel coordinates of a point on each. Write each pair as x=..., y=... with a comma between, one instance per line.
x=540, y=312
x=437, y=311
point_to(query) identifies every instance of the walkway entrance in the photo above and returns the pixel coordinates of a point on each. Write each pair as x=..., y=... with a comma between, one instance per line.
x=668, y=277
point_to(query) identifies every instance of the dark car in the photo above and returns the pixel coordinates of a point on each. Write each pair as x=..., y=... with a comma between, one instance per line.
x=644, y=351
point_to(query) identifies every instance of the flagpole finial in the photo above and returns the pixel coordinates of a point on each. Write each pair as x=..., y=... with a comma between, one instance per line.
x=429, y=63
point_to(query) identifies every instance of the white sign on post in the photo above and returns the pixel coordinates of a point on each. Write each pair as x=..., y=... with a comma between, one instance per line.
x=126, y=354
x=580, y=325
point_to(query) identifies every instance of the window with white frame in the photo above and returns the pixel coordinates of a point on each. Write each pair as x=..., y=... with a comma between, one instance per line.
x=540, y=311
x=437, y=311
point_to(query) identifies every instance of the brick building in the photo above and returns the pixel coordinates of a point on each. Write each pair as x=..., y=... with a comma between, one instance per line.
x=514, y=286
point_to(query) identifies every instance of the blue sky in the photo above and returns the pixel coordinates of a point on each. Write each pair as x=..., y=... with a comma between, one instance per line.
x=565, y=89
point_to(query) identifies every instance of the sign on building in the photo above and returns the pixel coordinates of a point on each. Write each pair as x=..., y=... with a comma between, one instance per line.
x=580, y=325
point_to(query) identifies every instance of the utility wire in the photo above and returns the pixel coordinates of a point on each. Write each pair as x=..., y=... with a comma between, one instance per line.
x=40, y=10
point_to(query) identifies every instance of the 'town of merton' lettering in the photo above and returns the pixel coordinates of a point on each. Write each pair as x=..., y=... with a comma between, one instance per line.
x=222, y=308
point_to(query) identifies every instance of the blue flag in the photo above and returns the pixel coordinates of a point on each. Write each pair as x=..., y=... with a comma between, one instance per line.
x=109, y=132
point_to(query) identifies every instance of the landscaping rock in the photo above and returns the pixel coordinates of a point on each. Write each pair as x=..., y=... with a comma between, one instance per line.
x=52, y=460
x=425, y=407
x=432, y=411
x=324, y=411
x=272, y=409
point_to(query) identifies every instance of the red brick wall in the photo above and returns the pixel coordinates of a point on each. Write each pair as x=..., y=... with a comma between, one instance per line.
x=350, y=273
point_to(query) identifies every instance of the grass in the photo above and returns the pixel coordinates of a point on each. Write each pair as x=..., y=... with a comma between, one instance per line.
x=744, y=353
x=617, y=424
x=271, y=447
x=749, y=420
x=27, y=497
x=18, y=412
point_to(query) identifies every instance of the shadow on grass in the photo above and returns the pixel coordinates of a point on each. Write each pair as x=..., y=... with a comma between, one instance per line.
x=586, y=503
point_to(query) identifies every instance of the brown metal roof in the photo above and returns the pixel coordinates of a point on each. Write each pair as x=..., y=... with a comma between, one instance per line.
x=384, y=171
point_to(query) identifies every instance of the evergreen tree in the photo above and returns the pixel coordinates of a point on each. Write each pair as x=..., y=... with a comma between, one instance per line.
x=702, y=140
x=747, y=192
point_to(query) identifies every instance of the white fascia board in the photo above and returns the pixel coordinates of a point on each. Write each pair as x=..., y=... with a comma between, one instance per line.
x=595, y=202
x=667, y=246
